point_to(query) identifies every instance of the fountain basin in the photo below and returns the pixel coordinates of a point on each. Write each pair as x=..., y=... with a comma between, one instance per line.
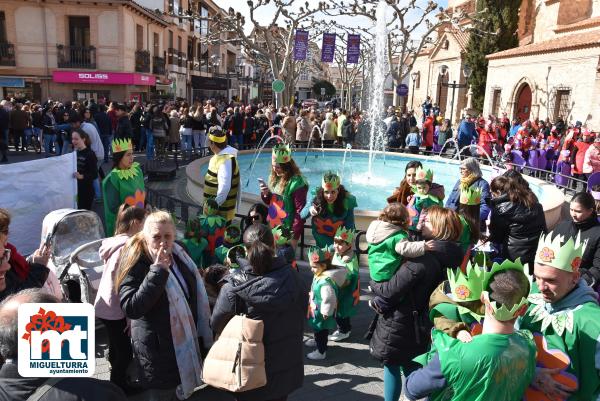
x=371, y=193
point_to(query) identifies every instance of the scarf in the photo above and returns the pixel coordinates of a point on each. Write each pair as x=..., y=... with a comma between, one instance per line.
x=184, y=331
x=465, y=182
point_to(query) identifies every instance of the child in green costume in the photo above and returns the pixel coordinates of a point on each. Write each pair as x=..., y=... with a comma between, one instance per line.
x=349, y=297
x=324, y=295
x=195, y=243
x=231, y=237
x=212, y=226
x=422, y=199
x=283, y=248
x=388, y=243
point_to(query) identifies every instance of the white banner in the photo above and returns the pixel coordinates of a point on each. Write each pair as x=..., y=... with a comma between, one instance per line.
x=30, y=190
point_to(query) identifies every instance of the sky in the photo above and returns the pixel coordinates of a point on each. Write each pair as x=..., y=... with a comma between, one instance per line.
x=266, y=12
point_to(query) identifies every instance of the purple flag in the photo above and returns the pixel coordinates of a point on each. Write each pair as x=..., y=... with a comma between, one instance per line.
x=328, y=48
x=353, y=51
x=300, y=45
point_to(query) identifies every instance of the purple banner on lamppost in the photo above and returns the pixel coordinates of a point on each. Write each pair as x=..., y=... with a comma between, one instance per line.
x=300, y=45
x=328, y=47
x=353, y=51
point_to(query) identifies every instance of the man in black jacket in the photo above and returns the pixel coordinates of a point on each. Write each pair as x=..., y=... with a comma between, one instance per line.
x=123, y=130
x=103, y=122
x=14, y=387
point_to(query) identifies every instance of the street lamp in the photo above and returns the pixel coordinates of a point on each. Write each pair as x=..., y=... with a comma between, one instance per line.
x=414, y=77
x=467, y=71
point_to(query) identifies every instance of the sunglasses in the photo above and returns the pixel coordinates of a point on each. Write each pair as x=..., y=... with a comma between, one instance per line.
x=5, y=256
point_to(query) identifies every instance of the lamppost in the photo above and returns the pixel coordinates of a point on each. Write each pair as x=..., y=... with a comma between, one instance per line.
x=244, y=78
x=467, y=71
x=414, y=77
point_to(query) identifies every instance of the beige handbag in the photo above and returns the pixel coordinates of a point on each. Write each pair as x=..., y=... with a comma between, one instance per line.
x=236, y=361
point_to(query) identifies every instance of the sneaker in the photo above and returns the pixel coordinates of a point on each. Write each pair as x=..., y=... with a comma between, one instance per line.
x=316, y=355
x=310, y=342
x=339, y=336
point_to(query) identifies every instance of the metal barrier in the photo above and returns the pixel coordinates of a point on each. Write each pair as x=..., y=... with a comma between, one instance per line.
x=183, y=211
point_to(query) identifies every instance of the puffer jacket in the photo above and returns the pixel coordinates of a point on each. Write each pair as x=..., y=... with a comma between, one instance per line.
x=144, y=300
x=107, y=304
x=517, y=228
x=590, y=231
x=394, y=340
x=280, y=299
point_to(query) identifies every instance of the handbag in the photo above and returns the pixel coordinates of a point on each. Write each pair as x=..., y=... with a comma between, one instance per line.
x=236, y=361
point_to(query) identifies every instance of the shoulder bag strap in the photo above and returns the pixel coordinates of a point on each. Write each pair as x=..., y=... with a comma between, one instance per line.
x=44, y=388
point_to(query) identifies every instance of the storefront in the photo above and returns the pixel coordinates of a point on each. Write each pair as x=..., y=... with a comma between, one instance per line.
x=209, y=88
x=20, y=88
x=97, y=85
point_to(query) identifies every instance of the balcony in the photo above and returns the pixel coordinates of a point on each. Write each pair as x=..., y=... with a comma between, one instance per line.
x=142, y=61
x=182, y=61
x=172, y=56
x=76, y=56
x=7, y=54
x=158, y=65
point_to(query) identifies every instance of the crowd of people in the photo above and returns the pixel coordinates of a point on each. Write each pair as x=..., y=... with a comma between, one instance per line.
x=473, y=298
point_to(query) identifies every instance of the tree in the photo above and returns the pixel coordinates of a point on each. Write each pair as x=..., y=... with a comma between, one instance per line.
x=502, y=18
x=328, y=86
x=274, y=42
x=413, y=25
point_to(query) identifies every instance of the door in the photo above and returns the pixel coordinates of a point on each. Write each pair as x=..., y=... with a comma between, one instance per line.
x=524, y=103
x=442, y=98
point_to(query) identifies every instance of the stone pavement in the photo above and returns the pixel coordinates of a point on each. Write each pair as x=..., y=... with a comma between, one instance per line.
x=349, y=373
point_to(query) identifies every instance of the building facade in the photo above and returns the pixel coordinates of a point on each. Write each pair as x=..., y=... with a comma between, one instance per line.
x=555, y=71
x=441, y=63
x=121, y=50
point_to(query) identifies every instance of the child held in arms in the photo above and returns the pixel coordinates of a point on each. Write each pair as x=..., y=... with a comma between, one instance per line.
x=421, y=200
x=388, y=244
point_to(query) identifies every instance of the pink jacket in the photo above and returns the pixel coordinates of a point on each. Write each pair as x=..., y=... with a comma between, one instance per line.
x=591, y=161
x=107, y=300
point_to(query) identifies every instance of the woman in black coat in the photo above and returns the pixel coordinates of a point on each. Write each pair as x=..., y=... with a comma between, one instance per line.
x=153, y=271
x=584, y=222
x=87, y=172
x=267, y=288
x=404, y=334
x=517, y=218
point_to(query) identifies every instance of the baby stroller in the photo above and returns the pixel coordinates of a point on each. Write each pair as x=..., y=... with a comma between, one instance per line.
x=74, y=238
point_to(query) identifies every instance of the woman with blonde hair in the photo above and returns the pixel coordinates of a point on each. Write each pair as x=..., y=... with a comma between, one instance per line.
x=162, y=293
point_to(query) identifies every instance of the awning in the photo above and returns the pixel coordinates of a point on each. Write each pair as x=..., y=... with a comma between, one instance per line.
x=103, y=78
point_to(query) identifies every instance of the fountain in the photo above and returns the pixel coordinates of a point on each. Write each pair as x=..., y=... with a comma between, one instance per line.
x=259, y=148
x=380, y=68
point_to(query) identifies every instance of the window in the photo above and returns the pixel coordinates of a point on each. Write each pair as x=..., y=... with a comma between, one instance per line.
x=139, y=37
x=179, y=43
x=156, y=44
x=79, y=31
x=418, y=81
x=3, y=38
x=304, y=76
x=203, y=23
x=446, y=44
x=496, y=99
x=561, y=103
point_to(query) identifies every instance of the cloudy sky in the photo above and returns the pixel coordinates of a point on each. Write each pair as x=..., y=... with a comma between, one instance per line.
x=266, y=12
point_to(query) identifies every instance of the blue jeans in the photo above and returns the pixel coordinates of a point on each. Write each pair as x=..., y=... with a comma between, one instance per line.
x=106, y=144
x=142, y=143
x=49, y=140
x=149, y=145
x=28, y=134
x=186, y=143
x=239, y=139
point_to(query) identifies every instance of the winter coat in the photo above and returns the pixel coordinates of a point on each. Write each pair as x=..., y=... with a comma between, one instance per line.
x=591, y=161
x=348, y=132
x=392, y=133
x=107, y=304
x=484, y=209
x=466, y=133
x=237, y=124
x=517, y=228
x=413, y=139
x=174, y=130
x=35, y=278
x=394, y=340
x=443, y=136
x=14, y=387
x=590, y=231
x=428, y=132
x=280, y=299
x=144, y=300
x=123, y=128
x=19, y=119
x=304, y=127
x=103, y=123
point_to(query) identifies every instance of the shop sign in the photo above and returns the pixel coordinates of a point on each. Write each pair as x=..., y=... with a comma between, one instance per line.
x=103, y=78
x=12, y=82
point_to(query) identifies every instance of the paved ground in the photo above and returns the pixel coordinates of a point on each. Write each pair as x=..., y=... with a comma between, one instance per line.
x=349, y=373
